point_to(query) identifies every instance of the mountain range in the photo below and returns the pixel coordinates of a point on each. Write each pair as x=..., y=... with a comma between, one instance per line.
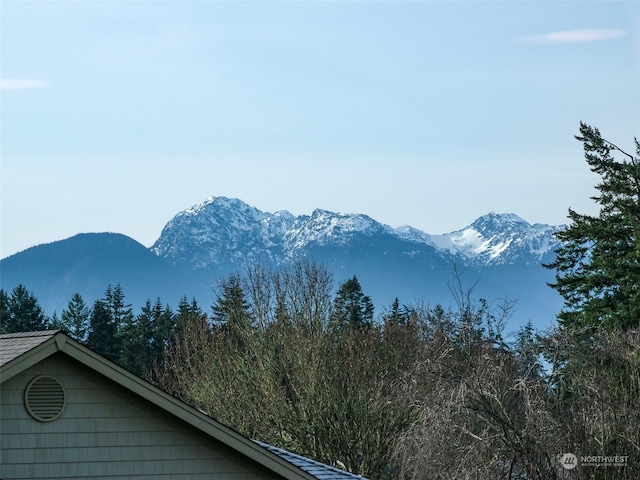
x=499, y=255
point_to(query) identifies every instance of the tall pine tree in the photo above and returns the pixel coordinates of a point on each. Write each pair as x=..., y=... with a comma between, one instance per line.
x=351, y=307
x=4, y=311
x=188, y=311
x=598, y=265
x=103, y=332
x=112, y=325
x=146, y=337
x=21, y=312
x=163, y=327
x=75, y=318
x=231, y=312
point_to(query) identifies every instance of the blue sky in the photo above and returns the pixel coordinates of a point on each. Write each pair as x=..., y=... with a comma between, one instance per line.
x=118, y=115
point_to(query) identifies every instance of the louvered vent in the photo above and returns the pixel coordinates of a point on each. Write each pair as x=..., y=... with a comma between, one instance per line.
x=44, y=398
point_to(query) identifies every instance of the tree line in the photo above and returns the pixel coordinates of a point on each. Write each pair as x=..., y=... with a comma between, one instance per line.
x=110, y=327
x=417, y=391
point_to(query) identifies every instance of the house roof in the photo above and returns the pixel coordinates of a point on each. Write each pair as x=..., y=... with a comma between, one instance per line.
x=12, y=345
x=19, y=351
x=317, y=469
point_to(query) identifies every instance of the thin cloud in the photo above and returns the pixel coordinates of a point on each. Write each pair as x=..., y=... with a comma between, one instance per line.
x=575, y=36
x=21, y=83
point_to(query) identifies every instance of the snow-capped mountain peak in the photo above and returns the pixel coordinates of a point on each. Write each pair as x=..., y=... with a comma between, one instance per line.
x=499, y=238
x=493, y=222
x=228, y=230
x=220, y=229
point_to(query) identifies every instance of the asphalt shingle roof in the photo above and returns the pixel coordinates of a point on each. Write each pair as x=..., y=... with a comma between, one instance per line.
x=12, y=345
x=317, y=469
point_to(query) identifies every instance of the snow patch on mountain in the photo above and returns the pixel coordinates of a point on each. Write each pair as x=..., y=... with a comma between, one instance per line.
x=471, y=243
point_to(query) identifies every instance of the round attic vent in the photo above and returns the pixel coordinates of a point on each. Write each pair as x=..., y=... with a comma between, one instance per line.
x=44, y=398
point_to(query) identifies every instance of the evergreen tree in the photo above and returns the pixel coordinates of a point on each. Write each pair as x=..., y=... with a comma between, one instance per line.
x=134, y=341
x=110, y=323
x=103, y=332
x=231, y=312
x=598, y=265
x=22, y=312
x=4, y=311
x=54, y=322
x=351, y=307
x=163, y=327
x=394, y=316
x=121, y=313
x=123, y=320
x=187, y=313
x=526, y=352
x=146, y=338
x=75, y=318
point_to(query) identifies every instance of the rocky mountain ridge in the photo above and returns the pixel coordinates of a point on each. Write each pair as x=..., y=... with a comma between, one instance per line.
x=221, y=229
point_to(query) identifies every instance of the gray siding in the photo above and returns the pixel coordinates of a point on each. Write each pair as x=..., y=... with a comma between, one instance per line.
x=105, y=433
